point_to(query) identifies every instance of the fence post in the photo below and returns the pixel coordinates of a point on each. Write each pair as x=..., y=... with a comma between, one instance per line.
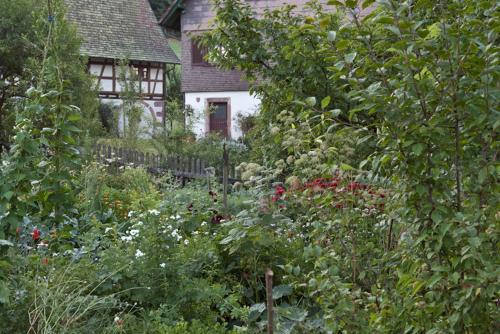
x=225, y=174
x=193, y=166
x=269, y=295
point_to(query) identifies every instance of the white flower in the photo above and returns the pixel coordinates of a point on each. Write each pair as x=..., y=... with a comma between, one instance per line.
x=186, y=242
x=117, y=318
x=175, y=234
x=139, y=223
x=126, y=238
x=108, y=229
x=204, y=223
x=154, y=212
x=196, y=233
x=177, y=217
x=131, y=213
x=138, y=254
x=134, y=232
x=172, y=217
x=163, y=265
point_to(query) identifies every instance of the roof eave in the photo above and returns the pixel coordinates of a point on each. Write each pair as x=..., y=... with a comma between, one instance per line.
x=171, y=14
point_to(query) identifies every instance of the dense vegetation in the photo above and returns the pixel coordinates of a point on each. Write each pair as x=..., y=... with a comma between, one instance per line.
x=371, y=191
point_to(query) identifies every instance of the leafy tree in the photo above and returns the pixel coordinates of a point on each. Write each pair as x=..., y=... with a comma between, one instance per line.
x=410, y=91
x=16, y=47
x=288, y=59
x=21, y=50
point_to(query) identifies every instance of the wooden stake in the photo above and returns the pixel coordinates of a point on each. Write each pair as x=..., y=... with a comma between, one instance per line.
x=225, y=174
x=269, y=293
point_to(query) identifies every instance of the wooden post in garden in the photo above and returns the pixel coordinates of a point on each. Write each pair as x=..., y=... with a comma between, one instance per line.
x=225, y=173
x=269, y=301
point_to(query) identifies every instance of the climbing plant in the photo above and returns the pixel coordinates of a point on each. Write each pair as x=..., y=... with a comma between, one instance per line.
x=131, y=111
x=36, y=175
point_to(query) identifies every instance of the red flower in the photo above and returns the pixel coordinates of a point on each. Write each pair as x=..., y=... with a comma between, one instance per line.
x=45, y=261
x=36, y=234
x=18, y=230
x=279, y=191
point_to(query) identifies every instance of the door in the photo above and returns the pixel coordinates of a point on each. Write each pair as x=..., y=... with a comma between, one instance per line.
x=218, y=118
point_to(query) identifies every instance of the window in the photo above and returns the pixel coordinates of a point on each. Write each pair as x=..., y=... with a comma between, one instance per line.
x=142, y=72
x=198, y=54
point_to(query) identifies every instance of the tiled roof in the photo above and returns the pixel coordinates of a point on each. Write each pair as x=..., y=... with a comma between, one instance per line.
x=120, y=29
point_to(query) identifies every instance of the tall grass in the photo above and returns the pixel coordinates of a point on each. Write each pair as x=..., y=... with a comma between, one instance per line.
x=64, y=303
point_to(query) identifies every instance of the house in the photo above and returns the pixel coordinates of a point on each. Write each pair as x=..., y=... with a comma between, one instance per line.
x=115, y=30
x=217, y=97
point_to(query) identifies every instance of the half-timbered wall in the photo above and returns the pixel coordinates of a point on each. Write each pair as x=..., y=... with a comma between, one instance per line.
x=151, y=81
x=150, y=76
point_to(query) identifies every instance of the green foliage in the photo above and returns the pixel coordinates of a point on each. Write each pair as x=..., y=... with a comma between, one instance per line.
x=131, y=111
x=288, y=60
x=384, y=129
x=36, y=174
x=24, y=54
x=16, y=24
x=408, y=93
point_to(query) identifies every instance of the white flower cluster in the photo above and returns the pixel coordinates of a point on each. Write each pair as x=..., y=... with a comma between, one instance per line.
x=175, y=234
x=367, y=212
x=132, y=233
x=154, y=212
x=139, y=254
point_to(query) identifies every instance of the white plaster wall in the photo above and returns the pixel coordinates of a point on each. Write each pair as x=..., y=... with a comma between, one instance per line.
x=241, y=103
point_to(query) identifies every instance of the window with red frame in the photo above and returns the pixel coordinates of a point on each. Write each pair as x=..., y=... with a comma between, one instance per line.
x=218, y=120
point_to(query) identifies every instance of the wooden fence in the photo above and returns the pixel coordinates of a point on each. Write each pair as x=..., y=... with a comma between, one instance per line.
x=183, y=167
